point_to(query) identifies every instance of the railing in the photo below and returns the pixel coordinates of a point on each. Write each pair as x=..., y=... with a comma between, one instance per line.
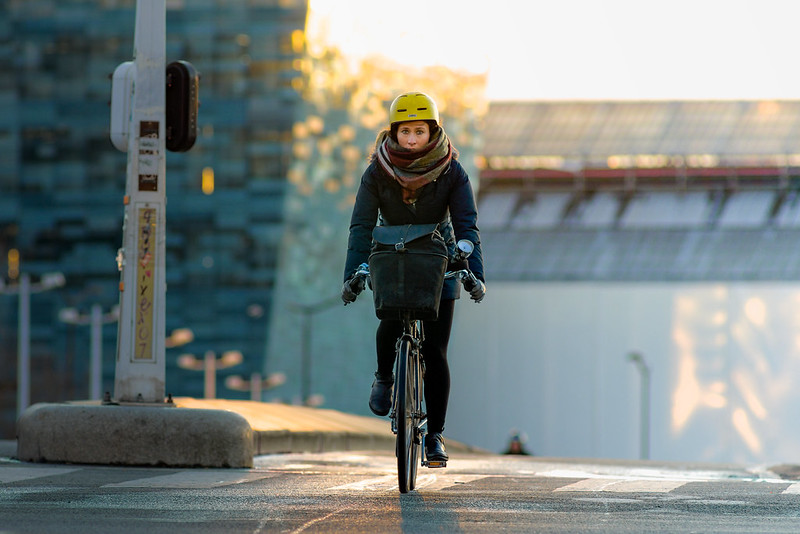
x=641, y=179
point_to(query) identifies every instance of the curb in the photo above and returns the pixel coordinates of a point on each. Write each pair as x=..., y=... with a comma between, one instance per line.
x=284, y=441
x=191, y=433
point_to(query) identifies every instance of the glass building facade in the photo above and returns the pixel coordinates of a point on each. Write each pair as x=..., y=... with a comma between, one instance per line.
x=257, y=211
x=62, y=182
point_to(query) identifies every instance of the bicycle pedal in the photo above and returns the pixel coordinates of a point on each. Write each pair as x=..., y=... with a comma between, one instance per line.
x=435, y=464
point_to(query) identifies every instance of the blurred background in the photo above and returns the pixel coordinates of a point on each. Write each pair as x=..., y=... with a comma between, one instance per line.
x=637, y=171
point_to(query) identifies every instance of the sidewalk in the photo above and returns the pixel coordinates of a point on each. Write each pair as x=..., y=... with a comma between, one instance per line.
x=193, y=432
x=279, y=428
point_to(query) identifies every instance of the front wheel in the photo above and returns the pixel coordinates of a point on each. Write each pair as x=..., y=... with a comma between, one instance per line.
x=406, y=416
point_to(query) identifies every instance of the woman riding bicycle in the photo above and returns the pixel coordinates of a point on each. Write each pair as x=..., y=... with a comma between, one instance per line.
x=414, y=178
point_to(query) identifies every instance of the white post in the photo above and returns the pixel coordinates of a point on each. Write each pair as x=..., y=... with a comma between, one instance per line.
x=140, y=371
x=96, y=352
x=24, y=345
x=210, y=376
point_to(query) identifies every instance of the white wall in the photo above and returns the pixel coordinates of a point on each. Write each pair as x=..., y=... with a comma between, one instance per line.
x=551, y=360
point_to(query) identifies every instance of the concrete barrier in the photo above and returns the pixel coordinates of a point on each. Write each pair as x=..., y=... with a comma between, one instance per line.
x=134, y=435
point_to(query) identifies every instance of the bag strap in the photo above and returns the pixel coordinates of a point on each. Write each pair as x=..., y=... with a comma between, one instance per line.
x=398, y=236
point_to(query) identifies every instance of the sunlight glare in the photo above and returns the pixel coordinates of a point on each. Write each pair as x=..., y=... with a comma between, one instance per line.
x=742, y=425
x=686, y=396
x=748, y=391
x=436, y=34
x=756, y=311
x=579, y=49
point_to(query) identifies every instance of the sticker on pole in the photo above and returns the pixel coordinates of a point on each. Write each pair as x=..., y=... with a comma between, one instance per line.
x=148, y=156
x=145, y=284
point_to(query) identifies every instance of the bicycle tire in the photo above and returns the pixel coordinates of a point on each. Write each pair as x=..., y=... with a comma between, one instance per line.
x=407, y=415
x=415, y=372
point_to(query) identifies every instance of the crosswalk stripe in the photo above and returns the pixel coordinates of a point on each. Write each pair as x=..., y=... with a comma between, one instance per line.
x=389, y=482
x=793, y=489
x=623, y=485
x=370, y=484
x=193, y=479
x=439, y=482
x=16, y=473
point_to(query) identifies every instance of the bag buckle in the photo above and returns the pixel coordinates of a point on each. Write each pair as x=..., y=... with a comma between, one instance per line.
x=399, y=246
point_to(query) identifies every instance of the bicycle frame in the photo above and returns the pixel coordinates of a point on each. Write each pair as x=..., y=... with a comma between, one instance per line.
x=412, y=331
x=408, y=417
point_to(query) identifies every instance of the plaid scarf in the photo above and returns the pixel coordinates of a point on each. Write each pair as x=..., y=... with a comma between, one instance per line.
x=413, y=170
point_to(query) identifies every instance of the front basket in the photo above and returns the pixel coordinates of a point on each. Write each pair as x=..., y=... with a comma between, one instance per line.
x=407, y=282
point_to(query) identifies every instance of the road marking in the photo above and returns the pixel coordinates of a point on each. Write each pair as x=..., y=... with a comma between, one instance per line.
x=634, y=474
x=370, y=484
x=793, y=489
x=15, y=474
x=439, y=482
x=313, y=521
x=193, y=479
x=624, y=485
x=608, y=500
x=426, y=481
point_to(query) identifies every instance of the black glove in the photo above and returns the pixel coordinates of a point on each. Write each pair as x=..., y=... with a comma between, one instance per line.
x=476, y=288
x=351, y=289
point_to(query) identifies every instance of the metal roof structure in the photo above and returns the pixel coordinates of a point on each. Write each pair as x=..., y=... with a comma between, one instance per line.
x=675, y=128
x=641, y=191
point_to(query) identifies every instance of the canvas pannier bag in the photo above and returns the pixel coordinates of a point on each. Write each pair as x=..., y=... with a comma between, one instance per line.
x=407, y=265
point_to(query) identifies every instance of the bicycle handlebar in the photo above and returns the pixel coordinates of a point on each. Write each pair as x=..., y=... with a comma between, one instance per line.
x=465, y=275
x=361, y=272
x=464, y=248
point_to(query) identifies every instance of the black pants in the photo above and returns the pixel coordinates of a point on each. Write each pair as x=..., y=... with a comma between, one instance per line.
x=434, y=352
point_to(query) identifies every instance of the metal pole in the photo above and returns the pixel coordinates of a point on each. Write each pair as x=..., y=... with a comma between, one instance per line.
x=96, y=352
x=644, y=404
x=305, y=389
x=24, y=345
x=645, y=414
x=209, y=366
x=307, y=312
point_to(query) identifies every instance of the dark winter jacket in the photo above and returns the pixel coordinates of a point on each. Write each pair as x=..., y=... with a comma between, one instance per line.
x=448, y=200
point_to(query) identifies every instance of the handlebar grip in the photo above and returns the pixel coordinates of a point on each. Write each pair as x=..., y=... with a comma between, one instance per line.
x=357, y=283
x=469, y=281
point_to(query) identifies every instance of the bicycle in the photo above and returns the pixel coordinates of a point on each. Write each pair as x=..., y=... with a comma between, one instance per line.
x=408, y=417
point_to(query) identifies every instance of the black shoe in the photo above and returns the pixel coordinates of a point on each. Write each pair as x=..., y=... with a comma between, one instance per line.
x=380, y=398
x=434, y=448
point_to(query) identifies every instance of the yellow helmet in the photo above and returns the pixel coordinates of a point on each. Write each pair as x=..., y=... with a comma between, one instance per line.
x=413, y=106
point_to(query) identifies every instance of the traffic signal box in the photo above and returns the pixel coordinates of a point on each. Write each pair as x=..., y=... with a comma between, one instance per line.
x=182, y=102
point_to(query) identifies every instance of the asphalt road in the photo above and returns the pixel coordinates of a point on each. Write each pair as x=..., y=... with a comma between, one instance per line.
x=357, y=492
